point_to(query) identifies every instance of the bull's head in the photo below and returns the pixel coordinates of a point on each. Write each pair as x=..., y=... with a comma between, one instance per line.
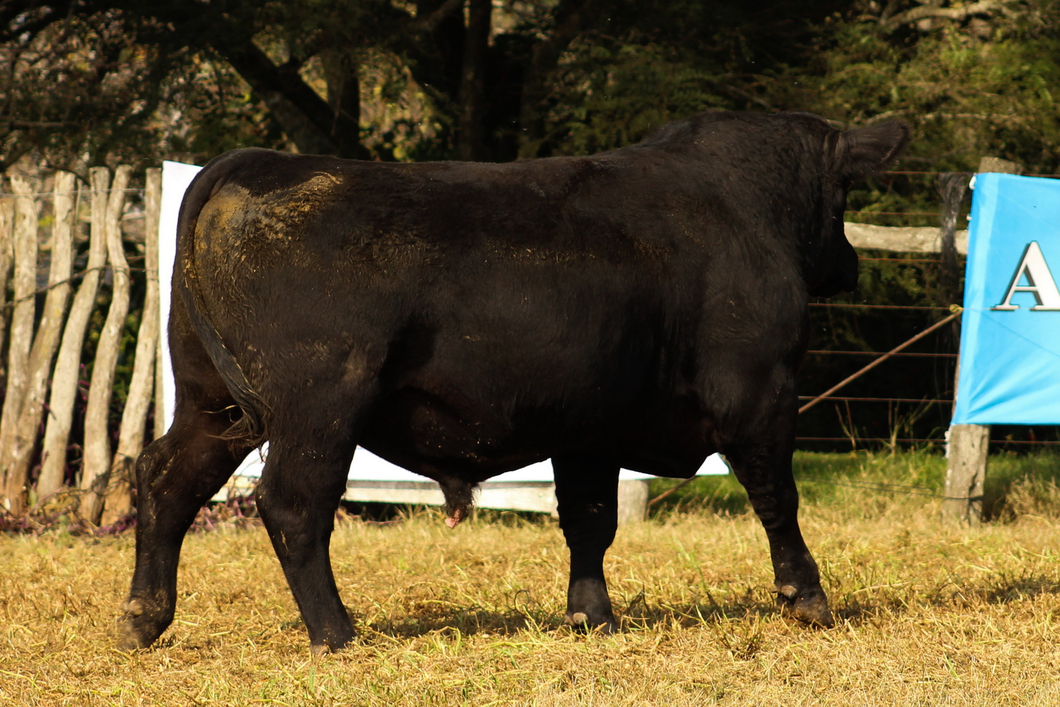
x=851, y=156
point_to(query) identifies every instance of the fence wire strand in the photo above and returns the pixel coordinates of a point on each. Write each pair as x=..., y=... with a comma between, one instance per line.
x=72, y=279
x=879, y=487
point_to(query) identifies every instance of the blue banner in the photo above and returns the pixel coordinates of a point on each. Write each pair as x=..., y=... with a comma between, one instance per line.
x=1010, y=335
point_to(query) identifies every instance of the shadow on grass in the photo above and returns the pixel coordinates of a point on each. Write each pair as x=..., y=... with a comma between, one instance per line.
x=752, y=604
x=467, y=621
x=997, y=589
x=1001, y=589
x=735, y=620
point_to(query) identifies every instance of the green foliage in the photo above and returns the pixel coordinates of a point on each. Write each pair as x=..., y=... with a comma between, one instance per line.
x=149, y=81
x=973, y=88
x=218, y=112
x=111, y=81
x=604, y=104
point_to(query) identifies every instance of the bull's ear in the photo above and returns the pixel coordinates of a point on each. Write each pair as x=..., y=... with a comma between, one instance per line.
x=868, y=150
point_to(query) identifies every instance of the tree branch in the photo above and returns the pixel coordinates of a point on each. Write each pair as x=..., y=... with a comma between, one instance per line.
x=304, y=116
x=925, y=12
x=430, y=22
x=31, y=125
x=287, y=96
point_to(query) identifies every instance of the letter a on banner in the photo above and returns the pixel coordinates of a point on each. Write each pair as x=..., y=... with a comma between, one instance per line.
x=1040, y=282
x=1010, y=329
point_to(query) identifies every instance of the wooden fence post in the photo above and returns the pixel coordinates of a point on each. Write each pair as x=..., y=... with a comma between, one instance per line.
x=134, y=419
x=19, y=454
x=68, y=362
x=27, y=213
x=7, y=255
x=95, y=473
x=969, y=444
x=152, y=279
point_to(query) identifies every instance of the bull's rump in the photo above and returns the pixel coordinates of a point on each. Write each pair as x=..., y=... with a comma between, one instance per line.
x=503, y=313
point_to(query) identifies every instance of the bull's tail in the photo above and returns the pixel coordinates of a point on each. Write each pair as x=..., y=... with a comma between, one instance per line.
x=250, y=426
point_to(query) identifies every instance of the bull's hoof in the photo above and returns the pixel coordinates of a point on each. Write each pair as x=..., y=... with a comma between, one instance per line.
x=138, y=627
x=580, y=621
x=810, y=608
x=129, y=640
x=332, y=640
x=322, y=649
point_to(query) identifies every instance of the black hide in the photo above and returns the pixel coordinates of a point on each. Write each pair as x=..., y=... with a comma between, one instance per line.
x=639, y=308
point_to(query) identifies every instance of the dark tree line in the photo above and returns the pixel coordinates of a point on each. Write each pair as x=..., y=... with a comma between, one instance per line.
x=103, y=82
x=96, y=81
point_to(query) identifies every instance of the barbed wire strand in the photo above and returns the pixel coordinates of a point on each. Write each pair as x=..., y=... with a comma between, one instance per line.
x=40, y=194
x=890, y=488
x=73, y=278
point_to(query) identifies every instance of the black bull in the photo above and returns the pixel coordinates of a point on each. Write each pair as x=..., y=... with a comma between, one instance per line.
x=639, y=308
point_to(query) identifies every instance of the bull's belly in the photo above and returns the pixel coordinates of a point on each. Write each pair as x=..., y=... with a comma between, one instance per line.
x=431, y=438
x=468, y=465
x=428, y=437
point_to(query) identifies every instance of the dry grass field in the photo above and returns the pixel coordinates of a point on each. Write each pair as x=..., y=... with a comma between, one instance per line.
x=928, y=613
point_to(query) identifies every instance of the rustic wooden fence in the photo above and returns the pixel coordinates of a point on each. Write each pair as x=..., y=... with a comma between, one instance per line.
x=64, y=245
x=79, y=283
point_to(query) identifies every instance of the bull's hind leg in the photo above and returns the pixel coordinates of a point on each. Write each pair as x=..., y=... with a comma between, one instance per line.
x=587, y=492
x=175, y=475
x=300, y=489
x=762, y=464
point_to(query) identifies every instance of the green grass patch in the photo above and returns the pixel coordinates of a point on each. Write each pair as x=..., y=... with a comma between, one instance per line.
x=1016, y=484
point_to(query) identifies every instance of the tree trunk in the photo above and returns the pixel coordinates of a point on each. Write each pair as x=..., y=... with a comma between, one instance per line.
x=437, y=46
x=68, y=363
x=571, y=17
x=25, y=284
x=95, y=474
x=134, y=419
x=46, y=341
x=7, y=256
x=471, y=131
x=344, y=96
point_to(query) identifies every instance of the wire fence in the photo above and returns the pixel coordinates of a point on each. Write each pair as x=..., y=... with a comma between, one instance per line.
x=78, y=336
x=907, y=400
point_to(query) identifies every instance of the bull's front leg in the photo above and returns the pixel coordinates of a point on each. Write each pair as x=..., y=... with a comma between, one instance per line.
x=763, y=467
x=587, y=493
